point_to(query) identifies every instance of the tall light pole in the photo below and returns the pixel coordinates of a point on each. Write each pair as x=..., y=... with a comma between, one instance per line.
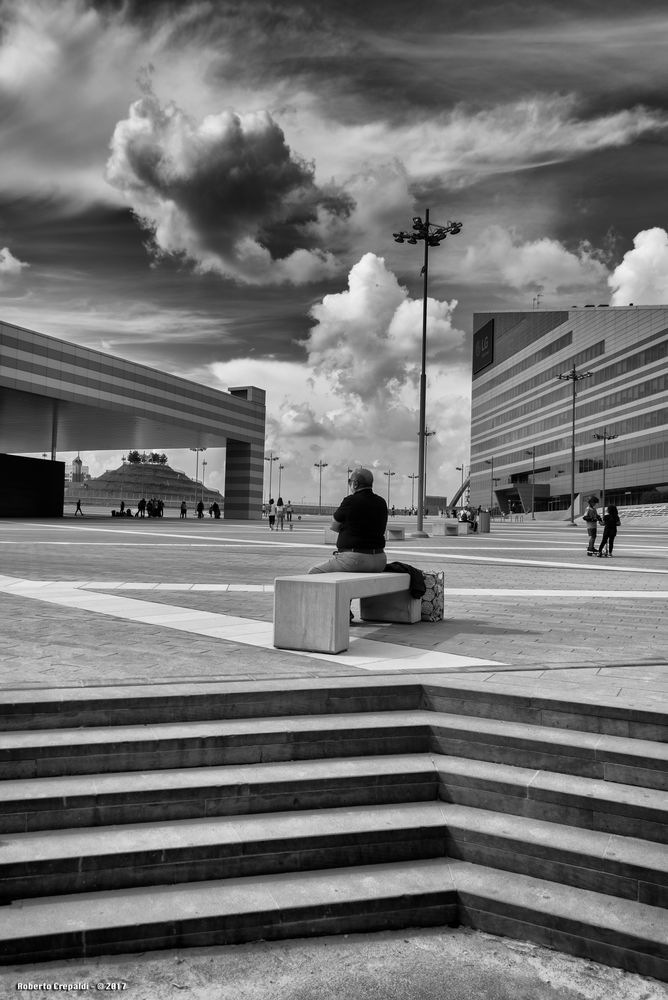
x=204, y=465
x=413, y=476
x=272, y=458
x=490, y=461
x=280, y=469
x=197, y=453
x=604, y=437
x=574, y=377
x=532, y=452
x=320, y=466
x=389, y=475
x=431, y=235
x=427, y=435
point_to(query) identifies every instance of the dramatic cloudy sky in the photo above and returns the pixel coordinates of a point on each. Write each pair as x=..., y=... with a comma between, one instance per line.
x=210, y=187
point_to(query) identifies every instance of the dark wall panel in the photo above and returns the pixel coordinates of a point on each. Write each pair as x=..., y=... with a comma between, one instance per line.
x=31, y=487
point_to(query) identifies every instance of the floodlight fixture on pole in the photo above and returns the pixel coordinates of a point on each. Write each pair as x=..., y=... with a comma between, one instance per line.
x=532, y=452
x=271, y=459
x=431, y=235
x=389, y=475
x=604, y=437
x=413, y=476
x=320, y=466
x=574, y=377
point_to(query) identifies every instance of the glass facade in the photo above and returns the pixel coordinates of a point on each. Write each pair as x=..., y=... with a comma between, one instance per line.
x=522, y=412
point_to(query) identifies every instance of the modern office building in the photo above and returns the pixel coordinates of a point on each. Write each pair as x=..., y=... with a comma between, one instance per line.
x=522, y=407
x=56, y=396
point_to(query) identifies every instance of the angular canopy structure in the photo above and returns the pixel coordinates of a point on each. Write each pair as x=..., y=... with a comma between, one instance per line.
x=59, y=396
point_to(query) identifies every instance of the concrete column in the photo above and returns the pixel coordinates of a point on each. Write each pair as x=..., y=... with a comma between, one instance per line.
x=244, y=469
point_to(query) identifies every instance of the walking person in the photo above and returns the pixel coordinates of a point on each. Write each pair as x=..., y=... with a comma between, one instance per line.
x=288, y=511
x=591, y=518
x=184, y=509
x=610, y=524
x=200, y=510
x=272, y=513
x=280, y=513
x=77, y=509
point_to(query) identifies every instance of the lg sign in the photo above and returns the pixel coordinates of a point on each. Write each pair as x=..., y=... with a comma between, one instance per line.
x=483, y=347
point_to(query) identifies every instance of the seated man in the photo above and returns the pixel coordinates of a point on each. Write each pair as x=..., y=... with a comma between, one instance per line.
x=360, y=523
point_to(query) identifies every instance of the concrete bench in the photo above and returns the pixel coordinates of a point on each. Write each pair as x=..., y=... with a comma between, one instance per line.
x=396, y=533
x=331, y=537
x=311, y=611
x=464, y=528
x=445, y=528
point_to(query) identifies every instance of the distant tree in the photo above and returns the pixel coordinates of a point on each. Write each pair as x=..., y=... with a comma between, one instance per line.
x=163, y=459
x=134, y=458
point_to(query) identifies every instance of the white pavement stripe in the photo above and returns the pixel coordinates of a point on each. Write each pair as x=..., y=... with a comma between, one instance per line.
x=268, y=588
x=365, y=654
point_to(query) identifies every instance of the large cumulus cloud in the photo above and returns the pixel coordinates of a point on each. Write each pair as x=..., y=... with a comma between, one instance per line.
x=367, y=339
x=642, y=276
x=227, y=192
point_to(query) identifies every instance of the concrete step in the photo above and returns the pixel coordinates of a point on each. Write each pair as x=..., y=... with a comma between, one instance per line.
x=191, y=793
x=75, y=861
x=531, y=703
x=433, y=892
x=590, y=859
x=587, y=803
x=43, y=753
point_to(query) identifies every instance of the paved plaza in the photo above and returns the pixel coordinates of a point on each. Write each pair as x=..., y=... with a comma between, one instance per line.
x=97, y=601
x=103, y=603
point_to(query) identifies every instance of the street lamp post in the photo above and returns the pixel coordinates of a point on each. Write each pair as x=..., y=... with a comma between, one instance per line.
x=532, y=452
x=431, y=235
x=280, y=470
x=413, y=476
x=604, y=437
x=427, y=435
x=197, y=454
x=490, y=461
x=204, y=465
x=574, y=377
x=320, y=466
x=389, y=475
x=272, y=458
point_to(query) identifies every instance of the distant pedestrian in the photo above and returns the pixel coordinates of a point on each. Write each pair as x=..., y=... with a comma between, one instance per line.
x=122, y=508
x=288, y=511
x=141, y=506
x=272, y=514
x=280, y=513
x=200, y=509
x=77, y=509
x=184, y=509
x=610, y=524
x=592, y=519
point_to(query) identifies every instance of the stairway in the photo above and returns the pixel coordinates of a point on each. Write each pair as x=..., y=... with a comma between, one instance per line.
x=142, y=818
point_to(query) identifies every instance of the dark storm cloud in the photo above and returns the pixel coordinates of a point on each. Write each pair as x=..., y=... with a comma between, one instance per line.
x=228, y=192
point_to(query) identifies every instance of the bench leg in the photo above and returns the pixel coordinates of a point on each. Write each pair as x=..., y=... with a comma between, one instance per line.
x=309, y=617
x=399, y=607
